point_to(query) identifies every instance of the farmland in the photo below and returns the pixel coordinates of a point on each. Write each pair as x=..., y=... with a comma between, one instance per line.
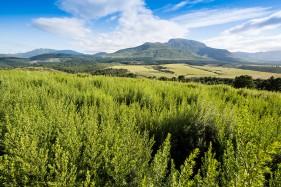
x=194, y=71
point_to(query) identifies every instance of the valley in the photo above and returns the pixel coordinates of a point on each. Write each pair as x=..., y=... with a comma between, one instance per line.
x=193, y=71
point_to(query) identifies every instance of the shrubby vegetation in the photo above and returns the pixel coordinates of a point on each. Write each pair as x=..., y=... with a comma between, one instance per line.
x=59, y=129
x=74, y=67
x=11, y=62
x=271, y=69
x=244, y=81
x=115, y=72
x=162, y=69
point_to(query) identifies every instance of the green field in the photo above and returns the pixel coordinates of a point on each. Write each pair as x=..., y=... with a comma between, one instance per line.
x=194, y=71
x=59, y=129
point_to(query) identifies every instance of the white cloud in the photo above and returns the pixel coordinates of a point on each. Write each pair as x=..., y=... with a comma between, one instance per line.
x=112, y=18
x=246, y=44
x=255, y=26
x=94, y=9
x=68, y=27
x=219, y=16
x=136, y=25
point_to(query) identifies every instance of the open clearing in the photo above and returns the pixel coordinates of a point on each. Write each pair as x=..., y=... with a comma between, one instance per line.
x=144, y=71
x=194, y=71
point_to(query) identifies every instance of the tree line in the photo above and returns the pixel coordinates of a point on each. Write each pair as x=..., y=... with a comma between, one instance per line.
x=243, y=81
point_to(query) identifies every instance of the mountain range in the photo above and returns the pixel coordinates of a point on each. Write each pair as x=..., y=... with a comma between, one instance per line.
x=41, y=51
x=269, y=56
x=181, y=50
x=175, y=49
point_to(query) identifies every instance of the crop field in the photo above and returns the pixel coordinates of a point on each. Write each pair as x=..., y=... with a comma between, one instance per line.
x=194, y=71
x=233, y=72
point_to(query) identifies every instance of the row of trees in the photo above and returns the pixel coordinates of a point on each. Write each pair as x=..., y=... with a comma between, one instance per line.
x=271, y=69
x=243, y=81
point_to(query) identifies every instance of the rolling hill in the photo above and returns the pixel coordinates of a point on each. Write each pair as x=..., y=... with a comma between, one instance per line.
x=13, y=62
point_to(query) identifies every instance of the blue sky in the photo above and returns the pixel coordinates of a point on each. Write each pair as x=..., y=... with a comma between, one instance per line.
x=93, y=26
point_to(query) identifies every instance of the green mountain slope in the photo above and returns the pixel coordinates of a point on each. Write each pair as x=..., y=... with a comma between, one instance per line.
x=176, y=49
x=12, y=62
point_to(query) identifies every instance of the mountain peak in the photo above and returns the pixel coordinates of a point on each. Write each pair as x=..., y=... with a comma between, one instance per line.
x=193, y=45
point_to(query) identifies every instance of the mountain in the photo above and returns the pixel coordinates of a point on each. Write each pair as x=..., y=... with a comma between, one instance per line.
x=41, y=51
x=101, y=54
x=176, y=49
x=269, y=56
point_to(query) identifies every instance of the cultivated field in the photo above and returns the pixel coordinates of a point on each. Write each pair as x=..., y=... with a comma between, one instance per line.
x=194, y=71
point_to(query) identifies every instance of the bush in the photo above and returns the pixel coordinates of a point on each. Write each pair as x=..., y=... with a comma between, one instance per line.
x=244, y=81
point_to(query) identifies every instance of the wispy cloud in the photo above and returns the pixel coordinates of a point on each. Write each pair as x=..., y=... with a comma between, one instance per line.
x=257, y=25
x=249, y=36
x=94, y=9
x=205, y=18
x=246, y=44
x=68, y=27
x=175, y=7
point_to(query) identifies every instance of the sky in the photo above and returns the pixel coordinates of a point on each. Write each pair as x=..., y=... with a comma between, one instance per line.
x=92, y=26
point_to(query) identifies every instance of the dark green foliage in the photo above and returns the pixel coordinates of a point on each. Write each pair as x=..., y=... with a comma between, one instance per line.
x=11, y=62
x=162, y=69
x=272, y=84
x=244, y=81
x=271, y=69
x=211, y=80
x=181, y=78
x=74, y=67
x=114, y=72
x=59, y=129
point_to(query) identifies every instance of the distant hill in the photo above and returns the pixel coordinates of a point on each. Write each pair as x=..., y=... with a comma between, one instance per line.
x=101, y=54
x=13, y=62
x=176, y=49
x=41, y=51
x=47, y=56
x=269, y=56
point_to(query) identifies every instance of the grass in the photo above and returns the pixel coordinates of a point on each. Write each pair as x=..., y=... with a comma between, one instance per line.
x=194, y=71
x=144, y=71
x=225, y=72
x=187, y=70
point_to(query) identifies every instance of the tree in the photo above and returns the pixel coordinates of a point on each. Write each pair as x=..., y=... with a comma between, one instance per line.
x=244, y=81
x=181, y=78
